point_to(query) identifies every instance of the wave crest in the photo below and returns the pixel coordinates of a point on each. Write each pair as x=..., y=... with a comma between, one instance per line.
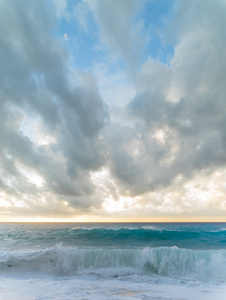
x=72, y=261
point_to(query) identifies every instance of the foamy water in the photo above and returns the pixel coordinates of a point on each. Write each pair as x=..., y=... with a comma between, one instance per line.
x=113, y=261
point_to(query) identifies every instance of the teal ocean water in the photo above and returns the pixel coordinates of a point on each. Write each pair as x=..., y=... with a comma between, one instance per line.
x=192, y=251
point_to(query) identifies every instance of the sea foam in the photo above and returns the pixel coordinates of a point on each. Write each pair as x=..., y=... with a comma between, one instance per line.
x=206, y=265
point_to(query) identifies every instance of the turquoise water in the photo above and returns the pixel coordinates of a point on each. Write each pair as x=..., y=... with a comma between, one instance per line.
x=183, y=235
x=175, y=250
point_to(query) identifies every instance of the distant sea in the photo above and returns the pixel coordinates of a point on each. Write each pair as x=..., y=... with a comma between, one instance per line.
x=113, y=260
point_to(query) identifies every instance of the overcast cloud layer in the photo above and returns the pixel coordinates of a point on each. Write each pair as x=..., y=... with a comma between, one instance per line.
x=127, y=134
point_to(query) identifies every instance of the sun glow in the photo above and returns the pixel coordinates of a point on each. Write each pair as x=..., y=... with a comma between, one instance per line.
x=3, y=201
x=123, y=203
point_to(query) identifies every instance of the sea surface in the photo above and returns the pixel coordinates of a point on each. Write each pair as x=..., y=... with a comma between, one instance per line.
x=104, y=259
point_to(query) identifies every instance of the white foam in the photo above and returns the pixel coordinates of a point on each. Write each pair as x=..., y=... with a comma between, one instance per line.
x=205, y=265
x=100, y=289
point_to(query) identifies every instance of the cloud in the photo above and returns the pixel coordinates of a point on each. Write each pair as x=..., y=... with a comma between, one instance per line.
x=177, y=118
x=118, y=31
x=37, y=85
x=158, y=150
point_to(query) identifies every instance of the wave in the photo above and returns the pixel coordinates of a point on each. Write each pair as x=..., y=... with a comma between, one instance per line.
x=147, y=237
x=143, y=229
x=49, y=236
x=72, y=261
x=127, y=233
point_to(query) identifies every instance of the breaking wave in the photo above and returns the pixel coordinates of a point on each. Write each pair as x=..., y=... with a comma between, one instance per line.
x=73, y=261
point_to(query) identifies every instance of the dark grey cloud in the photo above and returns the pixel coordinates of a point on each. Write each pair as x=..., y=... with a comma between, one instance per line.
x=35, y=84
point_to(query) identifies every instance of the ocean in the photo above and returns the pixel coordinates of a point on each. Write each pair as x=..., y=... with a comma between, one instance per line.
x=113, y=261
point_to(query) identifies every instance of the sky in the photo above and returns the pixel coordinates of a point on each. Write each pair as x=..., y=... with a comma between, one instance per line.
x=112, y=110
